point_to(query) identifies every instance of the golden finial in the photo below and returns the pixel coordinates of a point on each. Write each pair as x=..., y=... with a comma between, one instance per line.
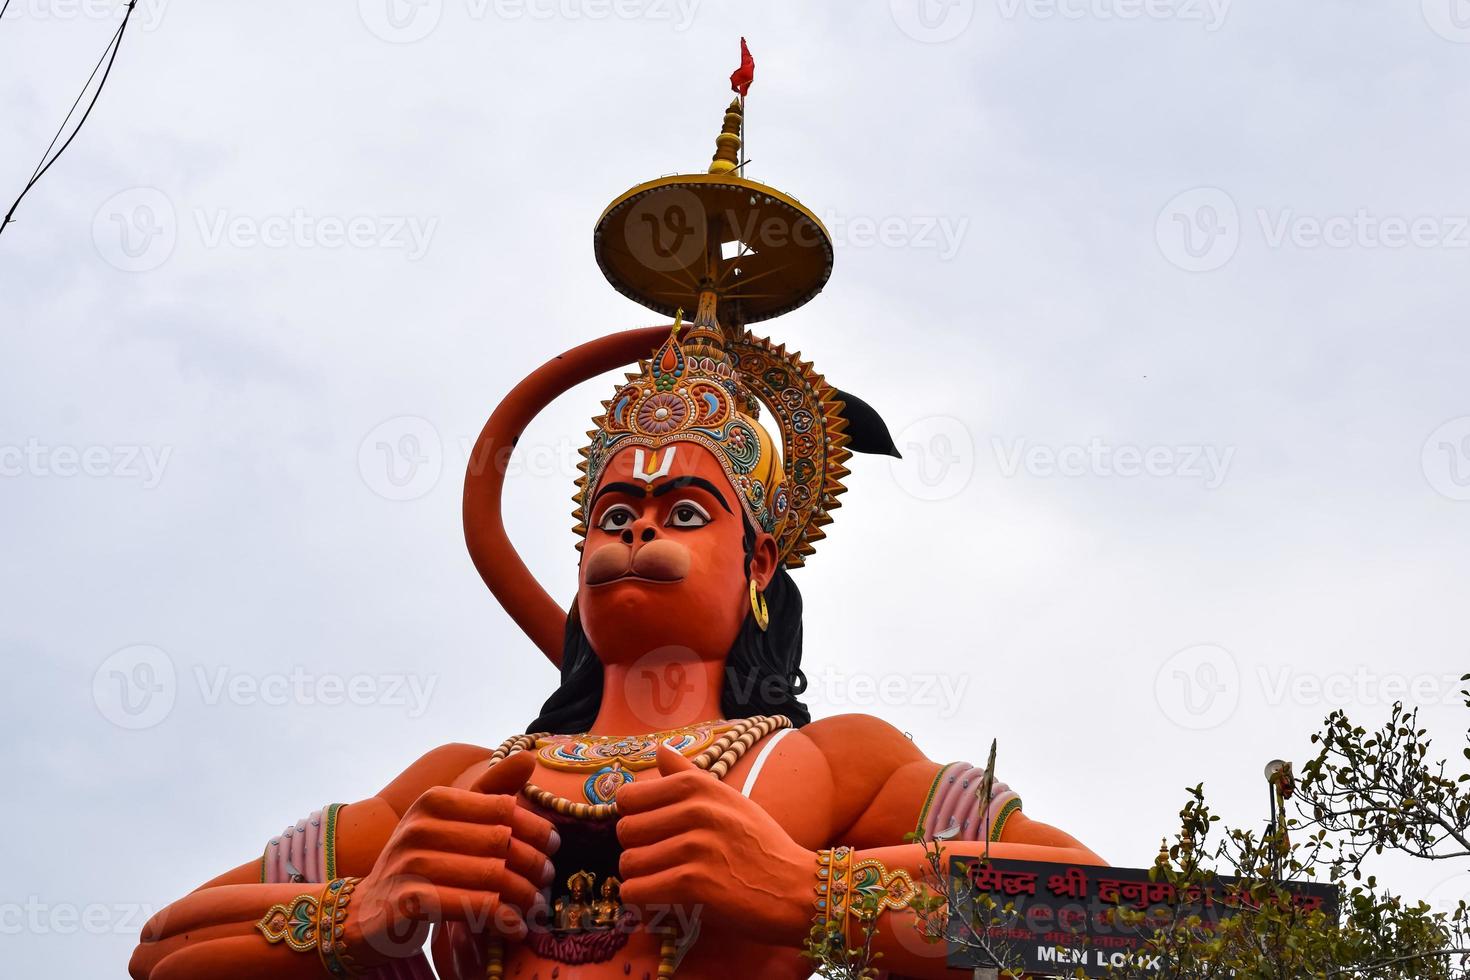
x=727, y=144
x=1163, y=858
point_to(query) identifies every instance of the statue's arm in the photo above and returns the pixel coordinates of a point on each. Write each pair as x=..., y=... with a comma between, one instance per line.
x=888, y=789
x=213, y=931
x=691, y=841
x=895, y=791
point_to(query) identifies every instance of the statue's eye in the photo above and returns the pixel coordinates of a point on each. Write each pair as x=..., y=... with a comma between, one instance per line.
x=687, y=513
x=617, y=517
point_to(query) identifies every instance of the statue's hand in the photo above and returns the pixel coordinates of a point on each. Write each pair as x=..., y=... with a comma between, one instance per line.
x=696, y=845
x=469, y=856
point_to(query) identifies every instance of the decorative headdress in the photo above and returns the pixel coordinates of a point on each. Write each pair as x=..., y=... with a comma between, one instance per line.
x=696, y=392
x=735, y=251
x=709, y=388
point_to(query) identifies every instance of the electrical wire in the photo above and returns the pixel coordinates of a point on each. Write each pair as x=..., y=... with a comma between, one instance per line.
x=109, y=55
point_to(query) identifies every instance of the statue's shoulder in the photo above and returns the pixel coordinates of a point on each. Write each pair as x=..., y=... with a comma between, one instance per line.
x=881, y=776
x=841, y=736
x=865, y=754
x=449, y=765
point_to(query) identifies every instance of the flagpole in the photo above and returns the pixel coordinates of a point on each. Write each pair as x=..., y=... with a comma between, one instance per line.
x=744, y=139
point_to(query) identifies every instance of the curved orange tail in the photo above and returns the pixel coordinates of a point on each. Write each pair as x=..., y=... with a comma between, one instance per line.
x=534, y=610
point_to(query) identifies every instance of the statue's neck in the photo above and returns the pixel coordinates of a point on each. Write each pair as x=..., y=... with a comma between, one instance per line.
x=638, y=699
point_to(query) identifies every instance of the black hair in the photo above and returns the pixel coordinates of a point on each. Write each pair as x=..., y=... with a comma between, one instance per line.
x=762, y=671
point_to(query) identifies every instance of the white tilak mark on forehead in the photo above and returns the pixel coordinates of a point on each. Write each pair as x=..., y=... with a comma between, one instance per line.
x=652, y=471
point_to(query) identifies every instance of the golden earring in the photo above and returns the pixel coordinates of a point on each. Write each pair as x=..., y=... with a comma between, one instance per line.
x=758, y=607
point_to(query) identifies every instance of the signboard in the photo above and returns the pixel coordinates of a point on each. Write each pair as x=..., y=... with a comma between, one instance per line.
x=1063, y=916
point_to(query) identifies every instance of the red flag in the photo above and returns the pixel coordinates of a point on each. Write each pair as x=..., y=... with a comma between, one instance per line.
x=741, y=77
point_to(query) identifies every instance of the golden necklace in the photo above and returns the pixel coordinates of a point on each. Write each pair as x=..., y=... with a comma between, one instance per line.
x=579, y=753
x=714, y=747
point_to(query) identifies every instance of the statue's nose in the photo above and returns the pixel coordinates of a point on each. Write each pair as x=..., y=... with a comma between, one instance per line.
x=646, y=535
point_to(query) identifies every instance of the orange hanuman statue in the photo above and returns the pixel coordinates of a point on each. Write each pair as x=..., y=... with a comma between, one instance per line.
x=674, y=809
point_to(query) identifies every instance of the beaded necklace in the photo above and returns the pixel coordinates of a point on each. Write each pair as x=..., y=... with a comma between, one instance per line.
x=717, y=757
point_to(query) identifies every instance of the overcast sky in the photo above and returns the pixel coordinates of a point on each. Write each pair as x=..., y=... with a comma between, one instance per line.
x=1164, y=302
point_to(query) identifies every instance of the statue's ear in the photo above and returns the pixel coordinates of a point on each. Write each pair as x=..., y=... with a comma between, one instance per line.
x=866, y=430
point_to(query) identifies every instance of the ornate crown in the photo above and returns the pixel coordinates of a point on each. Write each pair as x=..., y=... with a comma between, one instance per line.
x=708, y=391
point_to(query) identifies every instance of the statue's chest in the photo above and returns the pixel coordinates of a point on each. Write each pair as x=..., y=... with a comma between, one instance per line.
x=586, y=771
x=579, y=776
x=782, y=771
x=588, y=933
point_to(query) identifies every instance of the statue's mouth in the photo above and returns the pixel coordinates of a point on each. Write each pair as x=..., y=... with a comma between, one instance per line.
x=659, y=562
x=632, y=576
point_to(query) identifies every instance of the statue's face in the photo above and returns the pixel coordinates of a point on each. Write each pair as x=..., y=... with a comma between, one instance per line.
x=663, y=565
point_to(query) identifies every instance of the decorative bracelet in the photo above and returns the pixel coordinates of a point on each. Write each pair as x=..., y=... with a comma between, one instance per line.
x=314, y=923
x=834, y=887
x=875, y=889
x=863, y=890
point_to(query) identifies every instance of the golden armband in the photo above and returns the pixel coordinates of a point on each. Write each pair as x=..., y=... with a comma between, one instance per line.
x=863, y=890
x=313, y=923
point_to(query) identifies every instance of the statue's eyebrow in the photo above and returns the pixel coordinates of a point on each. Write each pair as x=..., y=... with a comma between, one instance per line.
x=631, y=489
x=693, y=481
